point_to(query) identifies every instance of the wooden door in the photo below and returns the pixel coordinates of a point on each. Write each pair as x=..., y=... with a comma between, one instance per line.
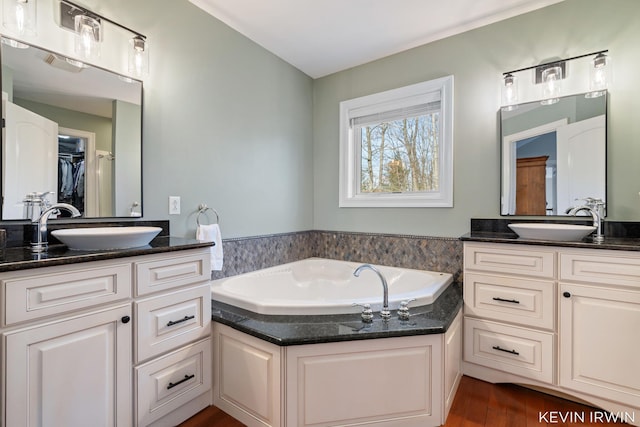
x=531, y=186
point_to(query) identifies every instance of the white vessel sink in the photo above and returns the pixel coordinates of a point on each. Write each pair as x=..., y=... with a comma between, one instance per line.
x=102, y=238
x=556, y=232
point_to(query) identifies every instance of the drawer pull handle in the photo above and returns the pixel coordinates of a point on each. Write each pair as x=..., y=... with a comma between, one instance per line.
x=513, y=301
x=184, y=319
x=186, y=378
x=497, y=347
x=566, y=294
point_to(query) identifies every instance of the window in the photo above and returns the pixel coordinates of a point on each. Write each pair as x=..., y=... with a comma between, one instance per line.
x=396, y=147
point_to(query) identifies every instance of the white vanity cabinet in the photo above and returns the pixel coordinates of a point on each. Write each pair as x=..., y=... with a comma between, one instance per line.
x=565, y=319
x=600, y=324
x=75, y=342
x=66, y=345
x=172, y=352
x=509, y=306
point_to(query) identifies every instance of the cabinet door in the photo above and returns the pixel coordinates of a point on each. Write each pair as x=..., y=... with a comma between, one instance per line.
x=75, y=372
x=599, y=343
x=388, y=383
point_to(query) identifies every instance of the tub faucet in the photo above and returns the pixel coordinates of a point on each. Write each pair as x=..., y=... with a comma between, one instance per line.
x=384, y=313
x=39, y=239
x=595, y=207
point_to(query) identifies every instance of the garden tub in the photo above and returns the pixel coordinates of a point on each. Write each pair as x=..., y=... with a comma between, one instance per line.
x=322, y=286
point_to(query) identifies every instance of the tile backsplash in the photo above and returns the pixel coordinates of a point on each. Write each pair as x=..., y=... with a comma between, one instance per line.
x=242, y=255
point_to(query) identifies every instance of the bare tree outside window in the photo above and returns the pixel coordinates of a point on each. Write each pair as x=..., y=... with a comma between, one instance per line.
x=396, y=147
x=401, y=155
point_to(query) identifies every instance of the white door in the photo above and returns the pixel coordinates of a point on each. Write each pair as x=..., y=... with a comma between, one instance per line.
x=582, y=164
x=73, y=373
x=30, y=158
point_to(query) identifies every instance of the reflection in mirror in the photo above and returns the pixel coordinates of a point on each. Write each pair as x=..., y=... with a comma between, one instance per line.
x=73, y=133
x=553, y=155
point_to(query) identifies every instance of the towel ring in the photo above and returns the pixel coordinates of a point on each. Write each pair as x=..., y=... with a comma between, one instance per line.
x=202, y=208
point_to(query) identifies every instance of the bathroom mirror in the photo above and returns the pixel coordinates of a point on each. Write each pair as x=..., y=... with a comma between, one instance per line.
x=72, y=131
x=553, y=155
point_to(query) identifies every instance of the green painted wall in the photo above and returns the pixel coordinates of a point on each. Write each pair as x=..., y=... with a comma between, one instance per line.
x=477, y=60
x=226, y=123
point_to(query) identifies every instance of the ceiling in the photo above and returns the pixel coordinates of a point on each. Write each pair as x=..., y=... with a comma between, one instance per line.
x=321, y=37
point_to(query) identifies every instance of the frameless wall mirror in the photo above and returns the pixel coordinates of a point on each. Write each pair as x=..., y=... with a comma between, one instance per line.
x=553, y=155
x=72, y=132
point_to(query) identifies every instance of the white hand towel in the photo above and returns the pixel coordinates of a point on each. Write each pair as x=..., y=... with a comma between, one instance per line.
x=211, y=233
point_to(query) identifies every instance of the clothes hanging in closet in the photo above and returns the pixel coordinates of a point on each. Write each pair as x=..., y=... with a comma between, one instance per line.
x=71, y=180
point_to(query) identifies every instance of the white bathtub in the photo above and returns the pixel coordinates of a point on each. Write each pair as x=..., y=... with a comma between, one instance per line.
x=323, y=286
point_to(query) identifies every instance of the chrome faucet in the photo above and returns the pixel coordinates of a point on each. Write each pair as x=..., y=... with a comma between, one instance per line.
x=595, y=208
x=384, y=313
x=39, y=240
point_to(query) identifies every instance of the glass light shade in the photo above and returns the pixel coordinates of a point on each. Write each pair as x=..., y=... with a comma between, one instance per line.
x=88, y=36
x=599, y=75
x=510, y=92
x=551, y=85
x=19, y=16
x=138, y=56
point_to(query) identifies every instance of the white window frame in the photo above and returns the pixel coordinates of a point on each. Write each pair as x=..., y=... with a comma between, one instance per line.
x=350, y=155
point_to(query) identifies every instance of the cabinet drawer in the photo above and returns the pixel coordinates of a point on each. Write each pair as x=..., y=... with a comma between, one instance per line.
x=603, y=267
x=171, y=271
x=523, y=301
x=171, y=381
x=520, y=351
x=504, y=258
x=59, y=290
x=172, y=320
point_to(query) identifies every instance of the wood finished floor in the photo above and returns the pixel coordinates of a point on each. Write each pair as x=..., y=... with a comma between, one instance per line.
x=476, y=404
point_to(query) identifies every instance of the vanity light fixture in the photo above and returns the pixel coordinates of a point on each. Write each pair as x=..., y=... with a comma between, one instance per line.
x=550, y=75
x=19, y=16
x=138, y=56
x=89, y=27
x=551, y=84
x=599, y=75
x=88, y=36
x=510, y=92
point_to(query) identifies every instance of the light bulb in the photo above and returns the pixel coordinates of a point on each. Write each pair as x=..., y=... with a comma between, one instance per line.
x=138, y=56
x=551, y=85
x=509, y=92
x=599, y=75
x=19, y=16
x=87, y=36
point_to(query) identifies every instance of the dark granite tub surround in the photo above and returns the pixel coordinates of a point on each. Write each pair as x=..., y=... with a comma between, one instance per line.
x=618, y=235
x=243, y=255
x=296, y=330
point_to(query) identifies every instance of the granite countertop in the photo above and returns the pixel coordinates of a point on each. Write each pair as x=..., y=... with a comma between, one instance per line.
x=618, y=235
x=296, y=330
x=612, y=243
x=21, y=258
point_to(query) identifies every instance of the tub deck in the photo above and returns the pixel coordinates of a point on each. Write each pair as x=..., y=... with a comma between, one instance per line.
x=285, y=330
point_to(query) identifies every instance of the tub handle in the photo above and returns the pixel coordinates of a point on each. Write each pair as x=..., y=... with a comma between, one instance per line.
x=403, y=311
x=367, y=312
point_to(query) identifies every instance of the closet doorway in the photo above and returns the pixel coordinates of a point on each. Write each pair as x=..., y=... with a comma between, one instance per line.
x=77, y=177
